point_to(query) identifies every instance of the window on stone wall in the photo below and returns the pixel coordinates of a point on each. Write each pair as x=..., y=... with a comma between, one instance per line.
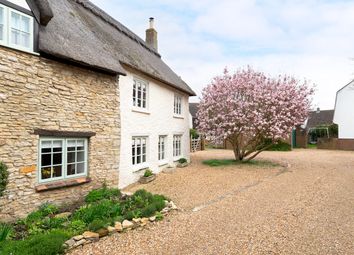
x=162, y=147
x=140, y=93
x=139, y=150
x=177, y=142
x=16, y=29
x=62, y=158
x=178, y=105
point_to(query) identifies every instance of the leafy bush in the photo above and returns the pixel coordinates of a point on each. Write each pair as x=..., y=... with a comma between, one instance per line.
x=142, y=204
x=96, y=225
x=102, y=193
x=104, y=209
x=43, y=211
x=77, y=226
x=182, y=160
x=42, y=244
x=4, y=175
x=148, y=173
x=159, y=216
x=278, y=145
x=193, y=133
x=5, y=231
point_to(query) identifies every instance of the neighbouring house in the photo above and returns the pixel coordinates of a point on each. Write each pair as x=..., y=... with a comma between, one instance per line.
x=193, y=109
x=315, y=126
x=344, y=118
x=83, y=100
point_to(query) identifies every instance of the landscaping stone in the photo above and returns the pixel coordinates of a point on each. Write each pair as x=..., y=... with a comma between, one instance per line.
x=78, y=238
x=70, y=243
x=152, y=218
x=102, y=232
x=80, y=242
x=127, y=224
x=111, y=229
x=136, y=220
x=118, y=226
x=145, y=220
x=62, y=215
x=172, y=205
x=91, y=236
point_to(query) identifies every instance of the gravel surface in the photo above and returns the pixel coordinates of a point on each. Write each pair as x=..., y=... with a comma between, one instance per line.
x=306, y=208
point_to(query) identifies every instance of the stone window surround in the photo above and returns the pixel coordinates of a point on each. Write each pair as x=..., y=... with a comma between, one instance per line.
x=64, y=183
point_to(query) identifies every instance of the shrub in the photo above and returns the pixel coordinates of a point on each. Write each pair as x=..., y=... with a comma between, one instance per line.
x=148, y=173
x=77, y=226
x=159, y=216
x=182, y=160
x=103, y=210
x=43, y=211
x=193, y=133
x=4, y=175
x=280, y=145
x=96, y=225
x=102, y=193
x=42, y=244
x=5, y=231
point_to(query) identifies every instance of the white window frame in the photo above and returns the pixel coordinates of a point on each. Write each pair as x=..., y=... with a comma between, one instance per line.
x=7, y=30
x=177, y=146
x=141, y=165
x=177, y=105
x=162, y=149
x=64, y=164
x=135, y=97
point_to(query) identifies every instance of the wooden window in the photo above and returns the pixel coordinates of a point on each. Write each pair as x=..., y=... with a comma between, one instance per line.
x=162, y=147
x=62, y=158
x=140, y=93
x=16, y=29
x=177, y=142
x=139, y=150
x=178, y=105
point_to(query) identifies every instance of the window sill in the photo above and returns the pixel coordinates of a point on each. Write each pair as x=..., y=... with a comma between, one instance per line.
x=178, y=116
x=19, y=49
x=62, y=184
x=163, y=162
x=138, y=168
x=144, y=111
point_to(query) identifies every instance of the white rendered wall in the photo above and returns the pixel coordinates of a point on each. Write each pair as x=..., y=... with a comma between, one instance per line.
x=159, y=120
x=344, y=112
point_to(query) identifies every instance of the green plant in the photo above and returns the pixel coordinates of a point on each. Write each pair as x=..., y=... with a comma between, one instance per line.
x=228, y=162
x=77, y=226
x=182, y=160
x=42, y=244
x=193, y=133
x=4, y=175
x=159, y=216
x=148, y=173
x=96, y=225
x=102, y=193
x=5, y=231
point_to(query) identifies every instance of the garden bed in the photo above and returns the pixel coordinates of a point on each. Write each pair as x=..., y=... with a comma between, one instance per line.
x=54, y=230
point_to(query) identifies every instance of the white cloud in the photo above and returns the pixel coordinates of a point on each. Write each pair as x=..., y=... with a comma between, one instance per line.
x=309, y=39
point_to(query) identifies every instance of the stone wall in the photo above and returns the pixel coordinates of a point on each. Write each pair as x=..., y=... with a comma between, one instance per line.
x=38, y=93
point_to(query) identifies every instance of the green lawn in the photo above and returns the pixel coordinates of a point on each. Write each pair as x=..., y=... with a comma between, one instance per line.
x=228, y=162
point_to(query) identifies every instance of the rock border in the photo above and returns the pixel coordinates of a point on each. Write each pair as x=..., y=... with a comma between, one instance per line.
x=119, y=227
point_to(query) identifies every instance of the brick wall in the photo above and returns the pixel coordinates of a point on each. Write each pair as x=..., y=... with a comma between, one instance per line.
x=335, y=144
x=37, y=93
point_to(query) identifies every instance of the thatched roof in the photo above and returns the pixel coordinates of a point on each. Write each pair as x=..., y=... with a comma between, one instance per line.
x=83, y=33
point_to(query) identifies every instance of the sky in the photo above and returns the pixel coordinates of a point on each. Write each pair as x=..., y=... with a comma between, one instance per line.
x=309, y=39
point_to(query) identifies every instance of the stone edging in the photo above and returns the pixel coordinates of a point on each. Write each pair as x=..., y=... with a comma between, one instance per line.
x=90, y=237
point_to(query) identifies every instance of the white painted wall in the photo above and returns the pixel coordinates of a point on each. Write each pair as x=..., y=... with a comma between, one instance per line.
x=21, y=3
x=159, y=120
x=344, y=112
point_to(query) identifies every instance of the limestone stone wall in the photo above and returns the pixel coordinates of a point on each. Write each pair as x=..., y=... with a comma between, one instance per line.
x=38, y=93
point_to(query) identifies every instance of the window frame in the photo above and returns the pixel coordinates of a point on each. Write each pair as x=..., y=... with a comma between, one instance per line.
x=134, y=94
x=177, y=105
x=176, y=148
x=64, y=164
x=142, y=164
x=164, y=152
x=7, y=36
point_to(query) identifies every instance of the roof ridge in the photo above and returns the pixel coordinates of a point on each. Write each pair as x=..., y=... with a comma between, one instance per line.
x=116, y=24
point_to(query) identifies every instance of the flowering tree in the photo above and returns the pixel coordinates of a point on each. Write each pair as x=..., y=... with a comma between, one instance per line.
x=247, y=108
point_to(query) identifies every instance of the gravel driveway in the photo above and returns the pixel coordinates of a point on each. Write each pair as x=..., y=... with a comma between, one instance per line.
x=307, y=208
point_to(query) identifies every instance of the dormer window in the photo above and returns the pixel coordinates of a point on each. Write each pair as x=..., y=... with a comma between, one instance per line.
x=16, y=29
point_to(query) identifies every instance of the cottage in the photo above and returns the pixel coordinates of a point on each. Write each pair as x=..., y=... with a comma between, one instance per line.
x=344, y=117
x=83, y=100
